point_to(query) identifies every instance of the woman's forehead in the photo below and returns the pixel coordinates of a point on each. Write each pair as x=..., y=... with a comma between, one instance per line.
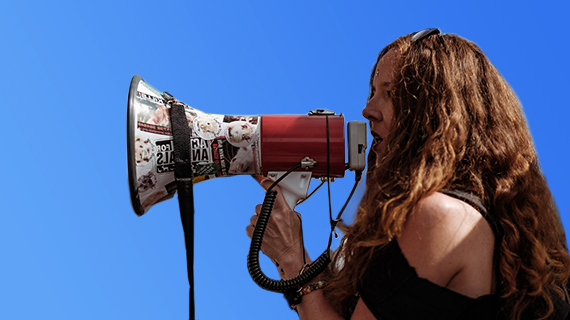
x=385, y=68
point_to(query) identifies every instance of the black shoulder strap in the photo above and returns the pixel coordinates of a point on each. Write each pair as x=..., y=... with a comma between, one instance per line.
x=476, y=203
x=472, y=200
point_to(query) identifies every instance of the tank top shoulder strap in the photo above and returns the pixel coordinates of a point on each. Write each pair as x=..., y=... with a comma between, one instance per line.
x=472, y=200
x=476, y=203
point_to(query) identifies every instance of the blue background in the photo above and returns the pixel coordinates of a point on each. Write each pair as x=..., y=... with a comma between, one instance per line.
x=71, y=246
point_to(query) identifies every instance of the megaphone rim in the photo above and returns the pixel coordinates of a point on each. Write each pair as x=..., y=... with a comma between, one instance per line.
x=131, y=165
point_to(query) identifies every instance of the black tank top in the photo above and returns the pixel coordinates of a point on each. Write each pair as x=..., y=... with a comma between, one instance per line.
x=391, y=288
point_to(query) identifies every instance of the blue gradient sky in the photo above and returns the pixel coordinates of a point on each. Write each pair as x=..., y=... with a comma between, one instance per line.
x=71, y=246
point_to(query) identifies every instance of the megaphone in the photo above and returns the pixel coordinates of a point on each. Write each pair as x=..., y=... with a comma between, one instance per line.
x=289, y=149
x=228, y=145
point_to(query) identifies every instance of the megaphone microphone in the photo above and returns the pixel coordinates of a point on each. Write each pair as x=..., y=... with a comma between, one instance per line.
x=171, y=146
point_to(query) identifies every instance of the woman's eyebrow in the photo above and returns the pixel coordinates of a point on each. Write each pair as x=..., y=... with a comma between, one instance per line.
x=385, y=84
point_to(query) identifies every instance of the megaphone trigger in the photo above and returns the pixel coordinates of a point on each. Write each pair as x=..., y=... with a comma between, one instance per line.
x=294, y=186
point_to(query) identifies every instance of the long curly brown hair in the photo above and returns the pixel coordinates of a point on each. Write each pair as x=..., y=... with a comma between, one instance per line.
x=458, y=125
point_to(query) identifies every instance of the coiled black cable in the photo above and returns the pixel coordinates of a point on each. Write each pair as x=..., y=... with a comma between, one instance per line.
x=254, y=268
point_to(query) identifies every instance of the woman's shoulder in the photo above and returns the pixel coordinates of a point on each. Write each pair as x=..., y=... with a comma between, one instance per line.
x=438, y=208
x=449, y=243
x=443, y=221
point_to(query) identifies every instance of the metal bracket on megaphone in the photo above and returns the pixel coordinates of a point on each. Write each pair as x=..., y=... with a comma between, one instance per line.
x=294, y=185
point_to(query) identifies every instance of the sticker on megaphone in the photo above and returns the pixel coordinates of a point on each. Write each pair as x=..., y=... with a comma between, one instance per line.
x=222, y=145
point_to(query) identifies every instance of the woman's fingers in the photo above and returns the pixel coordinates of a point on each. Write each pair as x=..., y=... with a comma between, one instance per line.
x=249, y=230
x=282, y=238
x=259, y=178
x=253, y=220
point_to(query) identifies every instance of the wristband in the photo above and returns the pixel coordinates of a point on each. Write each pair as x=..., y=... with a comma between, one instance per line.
x=294, y=297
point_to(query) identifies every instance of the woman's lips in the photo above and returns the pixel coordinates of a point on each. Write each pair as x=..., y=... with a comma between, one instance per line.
x=377, y=141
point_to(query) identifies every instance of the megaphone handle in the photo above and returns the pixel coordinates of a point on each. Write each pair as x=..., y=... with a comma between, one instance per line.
x=284, y=286
x=294, y=186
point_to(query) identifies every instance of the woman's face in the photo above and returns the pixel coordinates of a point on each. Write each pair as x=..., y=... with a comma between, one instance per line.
x=380, y=110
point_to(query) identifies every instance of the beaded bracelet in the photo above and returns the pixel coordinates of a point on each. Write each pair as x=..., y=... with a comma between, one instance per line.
x=294, y=297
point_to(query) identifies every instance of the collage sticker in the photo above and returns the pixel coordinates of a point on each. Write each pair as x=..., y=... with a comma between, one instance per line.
x=221, y=145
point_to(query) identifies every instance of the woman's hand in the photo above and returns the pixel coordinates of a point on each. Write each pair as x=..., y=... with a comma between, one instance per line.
x=283, y=238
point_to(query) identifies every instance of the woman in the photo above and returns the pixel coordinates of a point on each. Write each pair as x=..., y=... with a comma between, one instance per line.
x=457, y=220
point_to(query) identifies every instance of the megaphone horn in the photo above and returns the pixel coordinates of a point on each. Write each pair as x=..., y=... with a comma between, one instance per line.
x=227, y=145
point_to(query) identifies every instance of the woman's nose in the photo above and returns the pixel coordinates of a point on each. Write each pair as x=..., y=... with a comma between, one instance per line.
x=371, y=113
